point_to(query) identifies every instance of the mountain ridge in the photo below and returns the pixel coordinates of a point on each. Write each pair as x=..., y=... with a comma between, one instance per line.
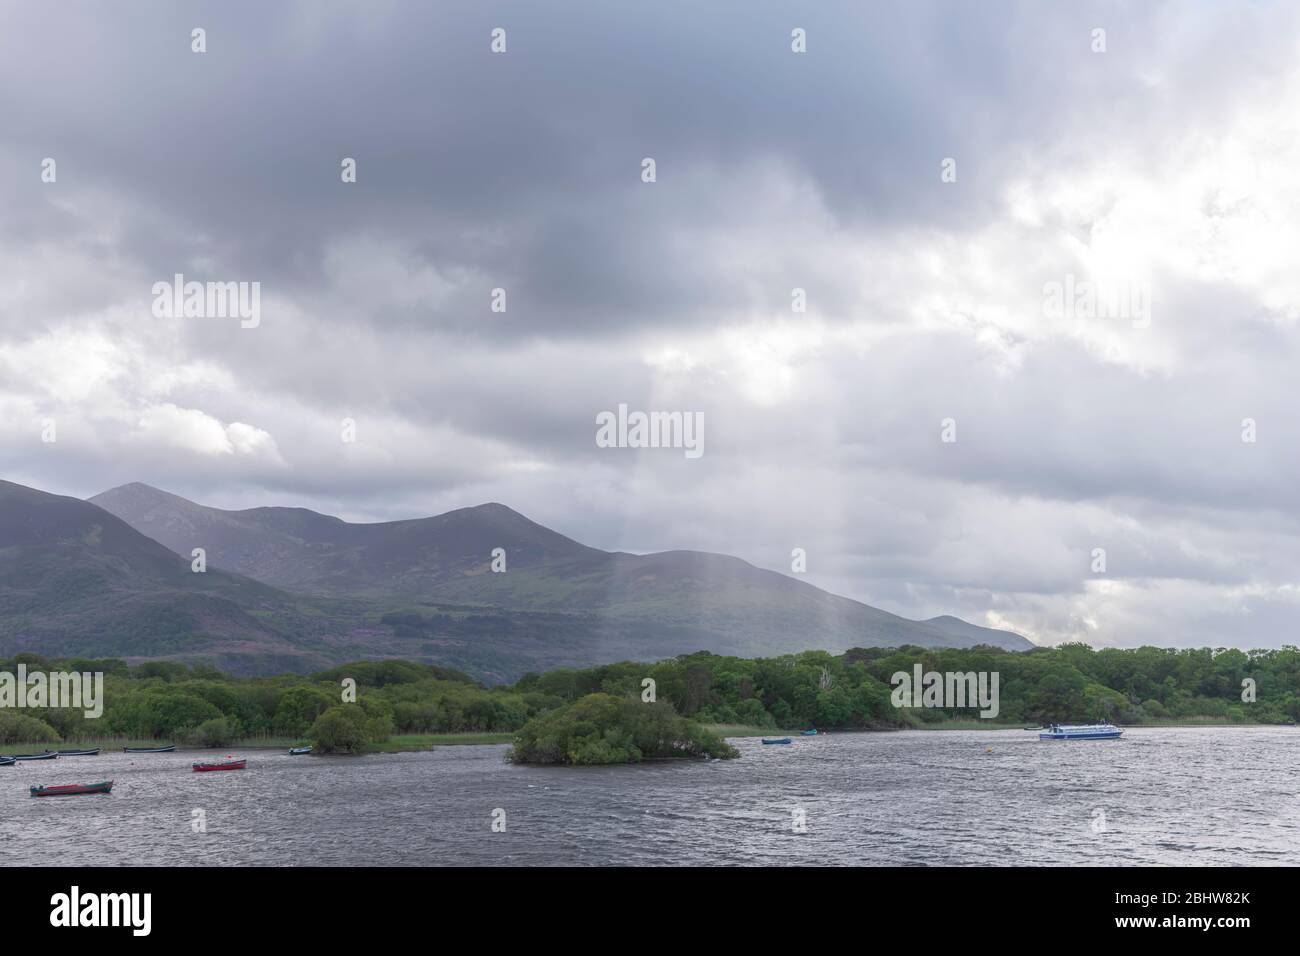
x=79, y=581
x=448, y=557
x=75, y=579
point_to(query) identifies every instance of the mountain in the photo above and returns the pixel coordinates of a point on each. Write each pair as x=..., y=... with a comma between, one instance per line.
x=287, y=589
x=78, y=581
x=300, y=550
x=978, y=635
x=432, y=572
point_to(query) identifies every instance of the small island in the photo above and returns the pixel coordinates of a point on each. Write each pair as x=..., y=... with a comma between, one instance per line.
x=604, y=729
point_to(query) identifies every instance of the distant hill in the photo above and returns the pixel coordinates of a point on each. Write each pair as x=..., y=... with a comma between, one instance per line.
x=649, y=605
x=77, y=580
x=978, y=635
x=288, y=589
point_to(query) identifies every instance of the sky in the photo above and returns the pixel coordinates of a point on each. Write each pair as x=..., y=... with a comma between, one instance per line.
x=942, y=429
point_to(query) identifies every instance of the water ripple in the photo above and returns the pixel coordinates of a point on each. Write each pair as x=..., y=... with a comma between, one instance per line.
x=1210, y=796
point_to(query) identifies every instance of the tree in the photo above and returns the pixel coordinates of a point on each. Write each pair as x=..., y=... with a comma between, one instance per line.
x=217, y=732
x=159, y=712
x=19, y=728
x=346, y=728
x=298, y=709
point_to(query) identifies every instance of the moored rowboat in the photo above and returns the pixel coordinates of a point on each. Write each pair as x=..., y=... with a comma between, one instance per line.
x=299, y=751
x=7, y=761
x=75, y=753
x=45, y=756
x=225, y=765
x=149, y=750
x=779, y=740
x=73, y=789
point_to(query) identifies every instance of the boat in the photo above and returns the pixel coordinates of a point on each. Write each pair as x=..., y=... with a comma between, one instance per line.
x=223, y=765
x=7, y=761
x=45, y=756
x=149, y=750
x=808, y=733
x=778, y=740
x=299, y=751
x=75, y=753
x=73, y=789
x=1080, y=732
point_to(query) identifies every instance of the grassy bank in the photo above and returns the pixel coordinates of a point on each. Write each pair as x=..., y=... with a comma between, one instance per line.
x=117, y=743
x=746, y=730
x=401, y=742
x=406, y=743
x=396, y=744
x=978, y=724
x=1204, y=722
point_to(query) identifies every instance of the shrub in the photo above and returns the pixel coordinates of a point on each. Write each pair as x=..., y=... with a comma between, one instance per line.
x=602, y=729
x=19, y=728
x=346, y=728
x=217, y=732
x=1155, y=709
x=299, y=707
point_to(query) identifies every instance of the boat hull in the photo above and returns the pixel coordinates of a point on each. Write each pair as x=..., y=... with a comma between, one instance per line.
x=75, y=753
x=211, y=767
x=35, y=756
x=783, y=740
x=73, y=789
x=1098, y=735
x=149, y=750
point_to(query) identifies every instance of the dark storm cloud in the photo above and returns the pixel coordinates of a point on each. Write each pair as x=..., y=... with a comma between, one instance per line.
x=233, y=155
x=1167, y=154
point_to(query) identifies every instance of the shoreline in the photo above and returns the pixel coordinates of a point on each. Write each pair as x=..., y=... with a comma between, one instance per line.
x=398, y=743
x=731, y=730
x=415, y=743
x=1190, y=722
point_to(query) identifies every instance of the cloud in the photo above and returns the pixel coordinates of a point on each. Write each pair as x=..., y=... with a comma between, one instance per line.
x=1164, y=163
x=190, y=430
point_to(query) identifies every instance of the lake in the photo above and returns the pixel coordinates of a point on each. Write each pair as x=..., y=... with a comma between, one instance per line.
x=1192, y=796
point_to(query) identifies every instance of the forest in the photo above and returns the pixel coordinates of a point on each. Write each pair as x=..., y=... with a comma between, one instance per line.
x=200, y=706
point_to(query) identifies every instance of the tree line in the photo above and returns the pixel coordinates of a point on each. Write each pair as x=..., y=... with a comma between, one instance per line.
x=202, y=706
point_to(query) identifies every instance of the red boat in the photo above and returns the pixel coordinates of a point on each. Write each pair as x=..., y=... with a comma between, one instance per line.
x=225, y=765
x=73, y=789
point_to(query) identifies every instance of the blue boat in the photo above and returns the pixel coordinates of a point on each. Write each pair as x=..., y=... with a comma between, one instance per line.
x=1080, y=732
x=7, y=761
x=778, y=740
x=808, y=733
x=299, y=751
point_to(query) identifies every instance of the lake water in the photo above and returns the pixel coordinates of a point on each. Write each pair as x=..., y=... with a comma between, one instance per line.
x=1211, y=796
